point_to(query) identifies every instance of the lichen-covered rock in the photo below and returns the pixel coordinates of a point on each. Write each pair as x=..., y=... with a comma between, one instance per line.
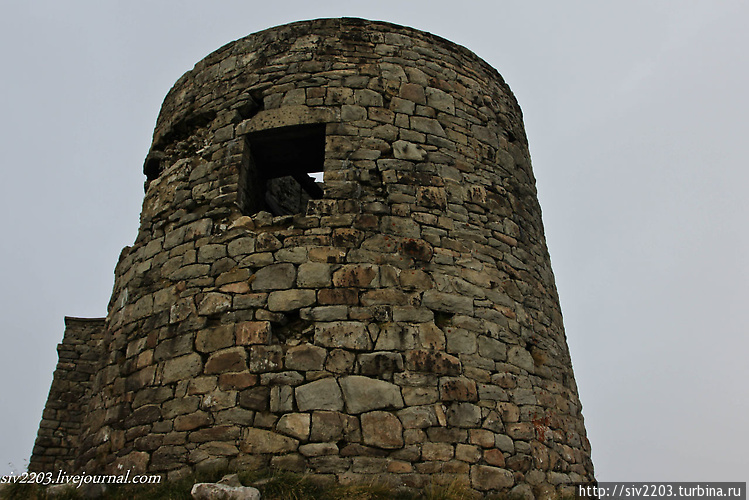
x=217, y=491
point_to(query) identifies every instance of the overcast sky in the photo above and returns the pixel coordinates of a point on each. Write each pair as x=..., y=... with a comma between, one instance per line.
x=636, y=112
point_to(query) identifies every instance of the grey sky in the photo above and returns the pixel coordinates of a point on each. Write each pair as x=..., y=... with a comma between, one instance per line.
x=636, y=114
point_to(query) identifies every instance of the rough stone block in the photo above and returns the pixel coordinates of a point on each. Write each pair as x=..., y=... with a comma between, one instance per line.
x=380, y=364
x=458, y=389
x=363, y=394
x=323, y=394
x=214, y=303
x=432, y=362
x=314, y=275
x=290, y=300
x=253, y=332
x=484, y=478
x=213, y=339
x=346, y=334
x=262, y=441
x=382, y=430
x=447, y=302
x=233, y=359
x=181, y=368
x=266, y=358
x=274, y=277
x=296, y=425
x=306, y=357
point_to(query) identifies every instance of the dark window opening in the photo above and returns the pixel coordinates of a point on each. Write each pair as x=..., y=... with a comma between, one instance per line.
x=283, y=168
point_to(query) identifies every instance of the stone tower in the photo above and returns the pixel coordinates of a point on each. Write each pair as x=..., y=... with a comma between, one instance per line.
x=398, y=319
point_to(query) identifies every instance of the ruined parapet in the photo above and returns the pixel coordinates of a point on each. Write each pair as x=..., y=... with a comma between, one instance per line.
x=397, y=320
x=79, y=353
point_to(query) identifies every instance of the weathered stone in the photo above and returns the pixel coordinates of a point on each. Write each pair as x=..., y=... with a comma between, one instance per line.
x=192, y=421
x=521, y=358
x=274, y=277
x=281, y=399
x=345, y=334
x=181, y=368
x=405, y=150
x=332, y=296
x=314, y=275
x=380, y=364
x=214, y=303
x=214, y=339
x=484, y=478
x=464, y=415
x=467, y=453
x=266, y=358
x=357, y=275
x=296, y=425
x=323, y=394
x=382, y=430
x=332, y=426
x=447, y=302
x=418, y=417
x=491, y=348
x=440, y=100
x=432, y=362
x=262, y=441
x=253, y=332
x=306, y=357
x=255, y=398
x=318, y=449
x=290, y=300
x=458, y=389
x=494, y=457
x=363, y=394
x=227, y=360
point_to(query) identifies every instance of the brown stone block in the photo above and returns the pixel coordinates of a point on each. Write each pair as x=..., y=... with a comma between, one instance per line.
x=494, y=457
x=233, y=359
x=327, y=255
x=262, y=441
x=457, y=389
x=217, y=433
x=192, y=421
x=387, y=296
x=420, y=360
x=484, y=477
x=253, y=332
x=382, y=430
x=255, y=398
x=332, y=296
x=306, y=357
x=357, y=275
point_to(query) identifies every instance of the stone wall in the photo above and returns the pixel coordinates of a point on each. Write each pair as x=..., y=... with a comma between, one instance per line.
x=406, y=327
x=56, y=445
